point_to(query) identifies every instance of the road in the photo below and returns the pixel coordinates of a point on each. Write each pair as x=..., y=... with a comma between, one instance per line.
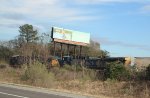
x=11, y=91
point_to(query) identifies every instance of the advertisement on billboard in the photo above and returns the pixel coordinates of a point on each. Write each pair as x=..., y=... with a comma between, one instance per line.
x=70, y=36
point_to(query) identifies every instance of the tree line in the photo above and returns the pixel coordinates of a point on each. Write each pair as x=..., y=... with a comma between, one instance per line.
x=31, y=43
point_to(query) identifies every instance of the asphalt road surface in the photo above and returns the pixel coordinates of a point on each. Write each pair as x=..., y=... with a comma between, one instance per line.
x=9, y=91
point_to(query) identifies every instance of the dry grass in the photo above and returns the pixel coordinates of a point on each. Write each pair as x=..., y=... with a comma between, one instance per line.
x=10, y=75
x=108, y=88
x=77, y=81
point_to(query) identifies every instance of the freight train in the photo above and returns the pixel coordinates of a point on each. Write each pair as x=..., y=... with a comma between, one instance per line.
x=54, y=61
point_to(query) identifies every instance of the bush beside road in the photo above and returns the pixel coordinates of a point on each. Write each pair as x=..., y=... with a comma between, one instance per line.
x=78, y=80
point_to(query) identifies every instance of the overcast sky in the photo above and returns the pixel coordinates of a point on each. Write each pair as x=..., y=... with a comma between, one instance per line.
x=121, y=26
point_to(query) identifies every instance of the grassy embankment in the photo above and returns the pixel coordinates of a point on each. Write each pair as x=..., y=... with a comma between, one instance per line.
x=74, y=79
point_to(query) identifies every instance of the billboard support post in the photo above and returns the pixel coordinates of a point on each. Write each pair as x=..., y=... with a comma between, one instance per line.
x=54, y=48
x=75, y=51
x=80, y=51
x=61, y=45
x=68, y=49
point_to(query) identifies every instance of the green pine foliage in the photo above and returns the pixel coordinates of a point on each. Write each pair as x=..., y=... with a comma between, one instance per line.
x=28, y=34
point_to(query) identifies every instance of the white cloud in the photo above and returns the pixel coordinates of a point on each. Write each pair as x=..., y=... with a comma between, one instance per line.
x=109, y=42
x=51, y=9
x=10, y=23
x=110, y=1
x=14, y=13
x=145, y=8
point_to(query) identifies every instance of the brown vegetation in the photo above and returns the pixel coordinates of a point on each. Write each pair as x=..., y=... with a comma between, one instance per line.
x=75, y=80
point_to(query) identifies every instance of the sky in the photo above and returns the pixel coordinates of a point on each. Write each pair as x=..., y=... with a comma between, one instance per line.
x=122, y=27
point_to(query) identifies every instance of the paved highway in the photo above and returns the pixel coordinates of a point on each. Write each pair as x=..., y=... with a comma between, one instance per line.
x=10, y=91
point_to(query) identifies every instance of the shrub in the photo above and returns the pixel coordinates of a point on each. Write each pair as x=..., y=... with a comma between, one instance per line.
x=116, y=71
x=68, y=67
x=89, y=74
x=148, y=72
x=2, y=66
x=73, y=72
x=143, y=74
x=37, y=74
x=5, y=53
x=65, y=73
x=76, y=68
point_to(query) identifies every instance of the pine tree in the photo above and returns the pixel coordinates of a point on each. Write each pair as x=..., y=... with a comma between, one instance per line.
x=28, y=33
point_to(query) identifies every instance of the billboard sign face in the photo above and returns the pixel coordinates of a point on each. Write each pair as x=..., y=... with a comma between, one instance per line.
x=70, y=36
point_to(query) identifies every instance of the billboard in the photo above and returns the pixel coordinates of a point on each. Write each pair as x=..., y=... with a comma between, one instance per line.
x=70, y=36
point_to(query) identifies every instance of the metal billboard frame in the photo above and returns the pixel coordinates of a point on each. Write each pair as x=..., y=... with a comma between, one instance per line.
x=68, y=43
